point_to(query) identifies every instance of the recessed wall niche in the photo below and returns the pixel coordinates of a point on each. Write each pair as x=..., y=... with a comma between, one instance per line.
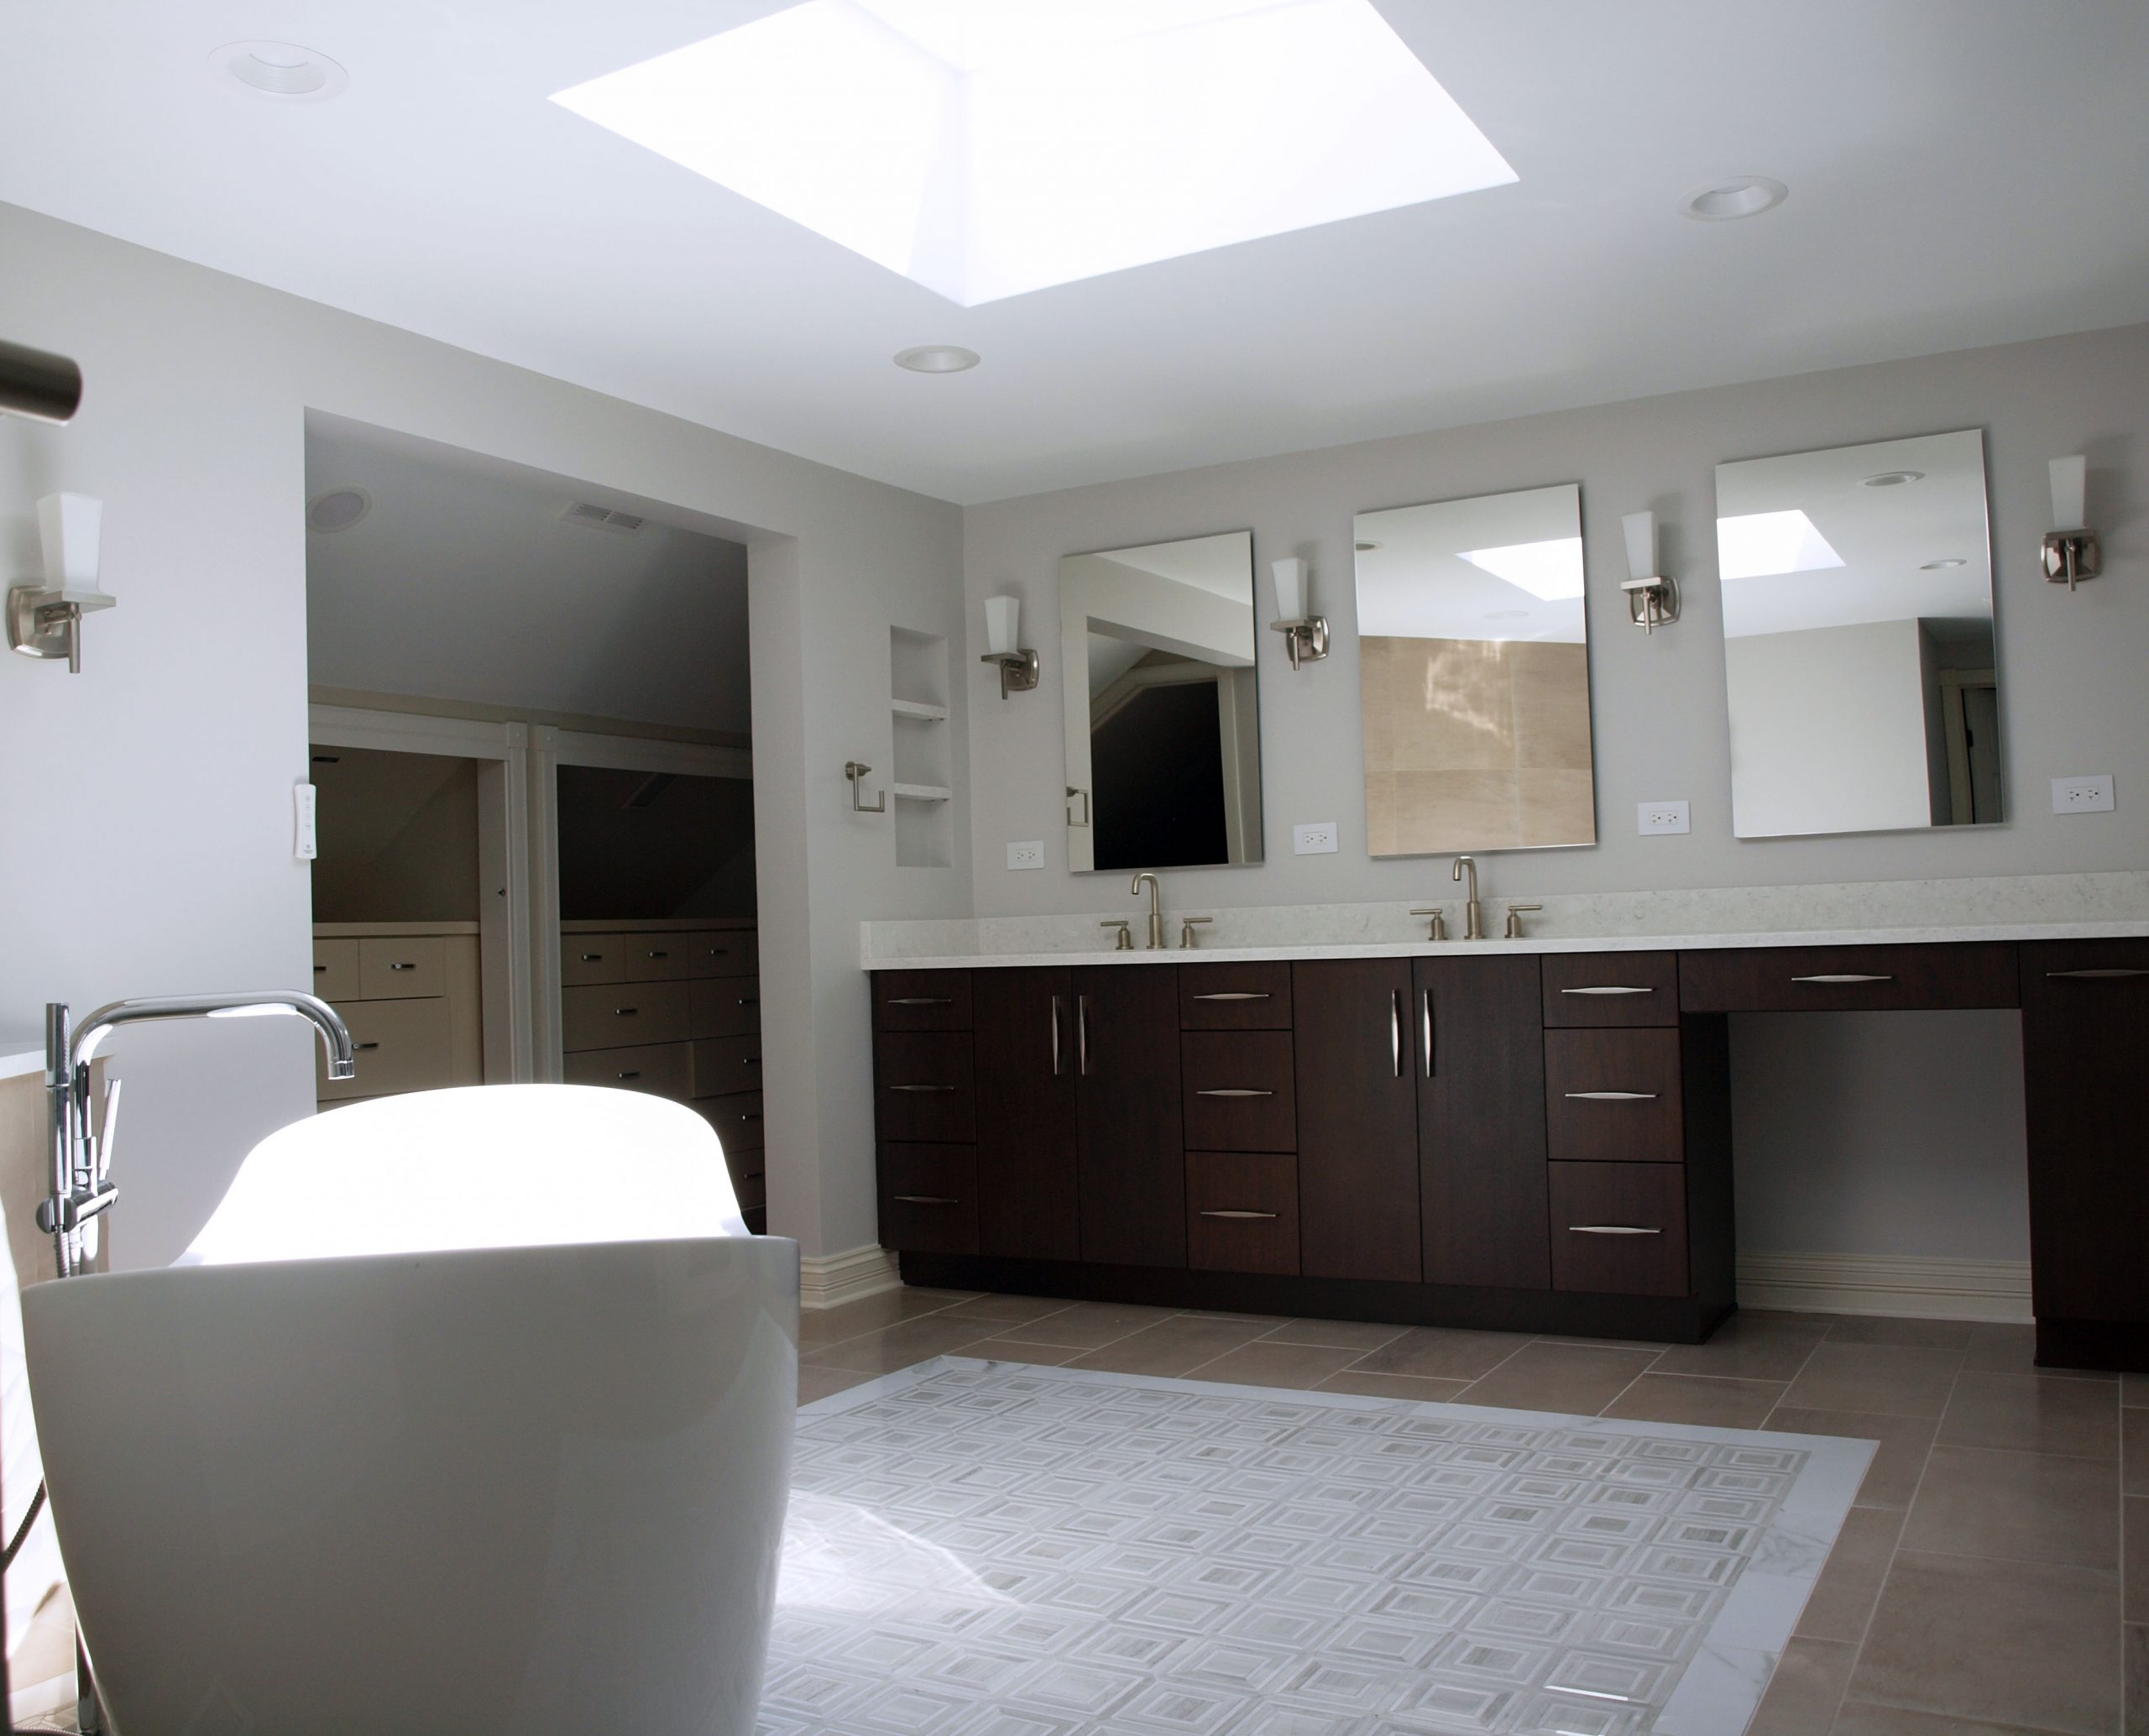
x=922, y=773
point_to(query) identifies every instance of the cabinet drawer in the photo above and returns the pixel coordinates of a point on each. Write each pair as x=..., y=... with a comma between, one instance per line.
x=593, y=957
x=725, y=1064
x=336, y=970
x=729, y=1006
x=1611, y=988
x=614, y=1015
x=1613, y=1096
x=925, y=1086
x=402, y=1046
x=1619, y=1228
x=1239, y=1091
x=737, y=1120
x=929, y=1198
x=920, y=1001
x=1235, y=997
x=1848, y=979
x=396, y=969
x=753, y=1192
x=1242, y=1211
x=658, y=1067
x=733, y=952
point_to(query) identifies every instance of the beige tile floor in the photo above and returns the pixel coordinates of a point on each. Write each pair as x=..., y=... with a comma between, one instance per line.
x=1992, y=1580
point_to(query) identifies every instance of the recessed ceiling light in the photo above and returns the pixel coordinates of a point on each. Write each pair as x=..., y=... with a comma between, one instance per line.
x=337, y=508
x=1894, y=479
x=1943, y=566
x=1759, y=545
x=1744, y=196
x=279, y=69
x=988, y=148
x=937, y=358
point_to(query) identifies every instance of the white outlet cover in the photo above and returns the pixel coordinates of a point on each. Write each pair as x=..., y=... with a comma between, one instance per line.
x=1317, y=839
x=1026, y=855
x=1653, y=819
x=2091, y=794
x=306, y=842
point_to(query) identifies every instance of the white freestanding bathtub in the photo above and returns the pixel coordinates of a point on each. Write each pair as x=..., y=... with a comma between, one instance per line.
x=517, y=1488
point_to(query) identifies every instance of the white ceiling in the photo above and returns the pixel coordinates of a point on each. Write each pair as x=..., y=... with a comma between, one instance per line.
x=1962, y=172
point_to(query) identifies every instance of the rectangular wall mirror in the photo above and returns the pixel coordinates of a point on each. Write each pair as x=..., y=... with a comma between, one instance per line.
x=1473, y=653
x=1163, y=729
x=1858, y=639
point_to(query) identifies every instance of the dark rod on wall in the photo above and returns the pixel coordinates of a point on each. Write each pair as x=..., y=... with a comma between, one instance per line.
x=45, y=388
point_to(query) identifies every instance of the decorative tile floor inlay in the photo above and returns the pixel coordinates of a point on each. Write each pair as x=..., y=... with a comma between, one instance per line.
x=991, y=1549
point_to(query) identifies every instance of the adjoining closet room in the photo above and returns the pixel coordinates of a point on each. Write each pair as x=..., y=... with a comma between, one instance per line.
x=532, y=782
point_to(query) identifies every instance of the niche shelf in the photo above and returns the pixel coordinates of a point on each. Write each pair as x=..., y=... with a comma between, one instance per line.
x=922, y=770
x=921, y=792
x=918, y=711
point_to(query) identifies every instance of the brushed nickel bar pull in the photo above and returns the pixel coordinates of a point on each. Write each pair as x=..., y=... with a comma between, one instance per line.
x=402, y=967
x=1055, y=1037
x=920, y=1001
x=1614, y=1096
x=365, y=1045
x=1609, y=989
x=1611, y=1230
x=631, y=1072
x=1232, y=995
x=1426, y=1026
x=921, y=1088
x=1082, y=1035
x=1844, y=976
x=1395, y=1031
x=927, y=1199
x=2097, y=974
x=626, y=1012
x=1239, y=1214
x=1232, y=1091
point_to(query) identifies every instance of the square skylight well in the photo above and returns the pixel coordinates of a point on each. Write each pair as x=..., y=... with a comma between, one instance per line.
x=987, y=148
x=1760, y=545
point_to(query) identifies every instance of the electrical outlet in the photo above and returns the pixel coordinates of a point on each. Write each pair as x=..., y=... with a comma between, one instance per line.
x=306, y=841
x=1660, y=816
x=1317, y=839
x=1026, y=855
x=2082, y=795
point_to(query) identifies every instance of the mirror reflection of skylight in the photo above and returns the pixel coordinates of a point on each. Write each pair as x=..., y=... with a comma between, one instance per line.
x=1756, y=545
x=987, y=148
x=1549, y=571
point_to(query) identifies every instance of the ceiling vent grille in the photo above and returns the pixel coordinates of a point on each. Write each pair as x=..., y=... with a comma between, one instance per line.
x=602, y=518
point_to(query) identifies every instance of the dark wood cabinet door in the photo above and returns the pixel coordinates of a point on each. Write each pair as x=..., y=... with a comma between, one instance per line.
x=1028, y=1203
x=1481, y=1121
x=1357, y=1091
x=1133, y=1153
x=2085, y=1033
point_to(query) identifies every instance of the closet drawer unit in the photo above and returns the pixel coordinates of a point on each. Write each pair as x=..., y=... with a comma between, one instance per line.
x=399, y=969
x=929, y=1198
x=614, y=1015
x=658, y=1067
x=1239, y=1092
x=1611, y=988
x=1849, y=978
x=726, y=1064
x=1242, y=1211
x=724, y=953
x=593, y=957
x=336, y=971
x=737, y=1120
x=921, y=1000
x=1613, y=1096
x=658, y=958
x=1235, y=997
x=730, y=1007
x=1619, y=1228
x=926, y=1092
x=402, y=1046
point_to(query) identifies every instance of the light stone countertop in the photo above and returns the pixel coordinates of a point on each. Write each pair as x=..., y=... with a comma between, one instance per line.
x=20, y=1053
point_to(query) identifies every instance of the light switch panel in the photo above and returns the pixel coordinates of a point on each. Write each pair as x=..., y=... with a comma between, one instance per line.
x=304, y=844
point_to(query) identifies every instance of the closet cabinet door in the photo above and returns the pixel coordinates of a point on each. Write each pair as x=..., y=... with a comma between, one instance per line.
x=1357, y=1091
x=1133, y=1155
x=1481, y=1122
x=1028, y=1204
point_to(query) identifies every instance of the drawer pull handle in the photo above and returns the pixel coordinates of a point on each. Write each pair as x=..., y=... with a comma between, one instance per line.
x=1239, y=1214
x=717, y=952
x=921, y=1088
x=1844, y=976
x=751, y=1115
x=749, y=1060
x=2091, y=975
x=1609, y=989
x=927, y=1199
x=1395, y=1032
x=402, y=967
x=593, y=957
x=365, y=1045
x=626, y=1012
x=1612, y=1230
x=634, y=1073
x=1233, y=995
x=749, y=1001
x=319, y=969
x=660, y=955
x=1614, y=1096
x=921, y=1000
x=1233, y=1091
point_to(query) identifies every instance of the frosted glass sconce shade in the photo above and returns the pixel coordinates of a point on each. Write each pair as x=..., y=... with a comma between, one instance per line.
x=2072, y=553
x=2070, y=485
x=1652, y=600
x=46, y=620
x=1003, y=630
x=1641, y=544
x=1305, y=633
x=1290, y=589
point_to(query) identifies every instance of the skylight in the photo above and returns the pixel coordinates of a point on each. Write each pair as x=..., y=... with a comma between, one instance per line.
x=987, y=148
x=1549, y=571
x=1755, y=545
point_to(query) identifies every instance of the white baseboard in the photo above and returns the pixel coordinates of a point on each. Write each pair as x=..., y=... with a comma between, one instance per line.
x=1899, y=1284
x=826, y=1280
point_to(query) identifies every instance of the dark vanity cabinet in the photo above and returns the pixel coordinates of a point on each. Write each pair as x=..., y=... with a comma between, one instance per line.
x=1028, y=1191
x=1357, y=1058
x=1130, y=1156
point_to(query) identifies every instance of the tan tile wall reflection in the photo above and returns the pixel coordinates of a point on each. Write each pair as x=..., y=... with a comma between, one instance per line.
x=1476, y=744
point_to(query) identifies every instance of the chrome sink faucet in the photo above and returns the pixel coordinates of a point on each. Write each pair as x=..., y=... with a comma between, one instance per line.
x=1156, y=908
x=1474, y=913
x=82, y=1158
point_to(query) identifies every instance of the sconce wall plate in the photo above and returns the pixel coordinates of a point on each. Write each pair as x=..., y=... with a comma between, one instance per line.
x=2071, y=557
x=1304, y=642
x=1018, y=670
x=1651, y=603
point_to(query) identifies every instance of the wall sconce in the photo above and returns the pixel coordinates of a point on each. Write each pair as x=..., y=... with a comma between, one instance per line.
x=1305, y=633
x=1652, y=599
x=1003, y=627
x=45, y=620
x=2071, y=551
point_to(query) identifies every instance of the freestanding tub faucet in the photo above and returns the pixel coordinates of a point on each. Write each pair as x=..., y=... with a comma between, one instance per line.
x=1156, y=908
x=81, y=1156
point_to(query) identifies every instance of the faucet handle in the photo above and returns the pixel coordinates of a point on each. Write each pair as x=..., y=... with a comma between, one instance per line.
x=1515, y=918
x=1187, y=925
x=1125, y=942
x=1437, y=929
